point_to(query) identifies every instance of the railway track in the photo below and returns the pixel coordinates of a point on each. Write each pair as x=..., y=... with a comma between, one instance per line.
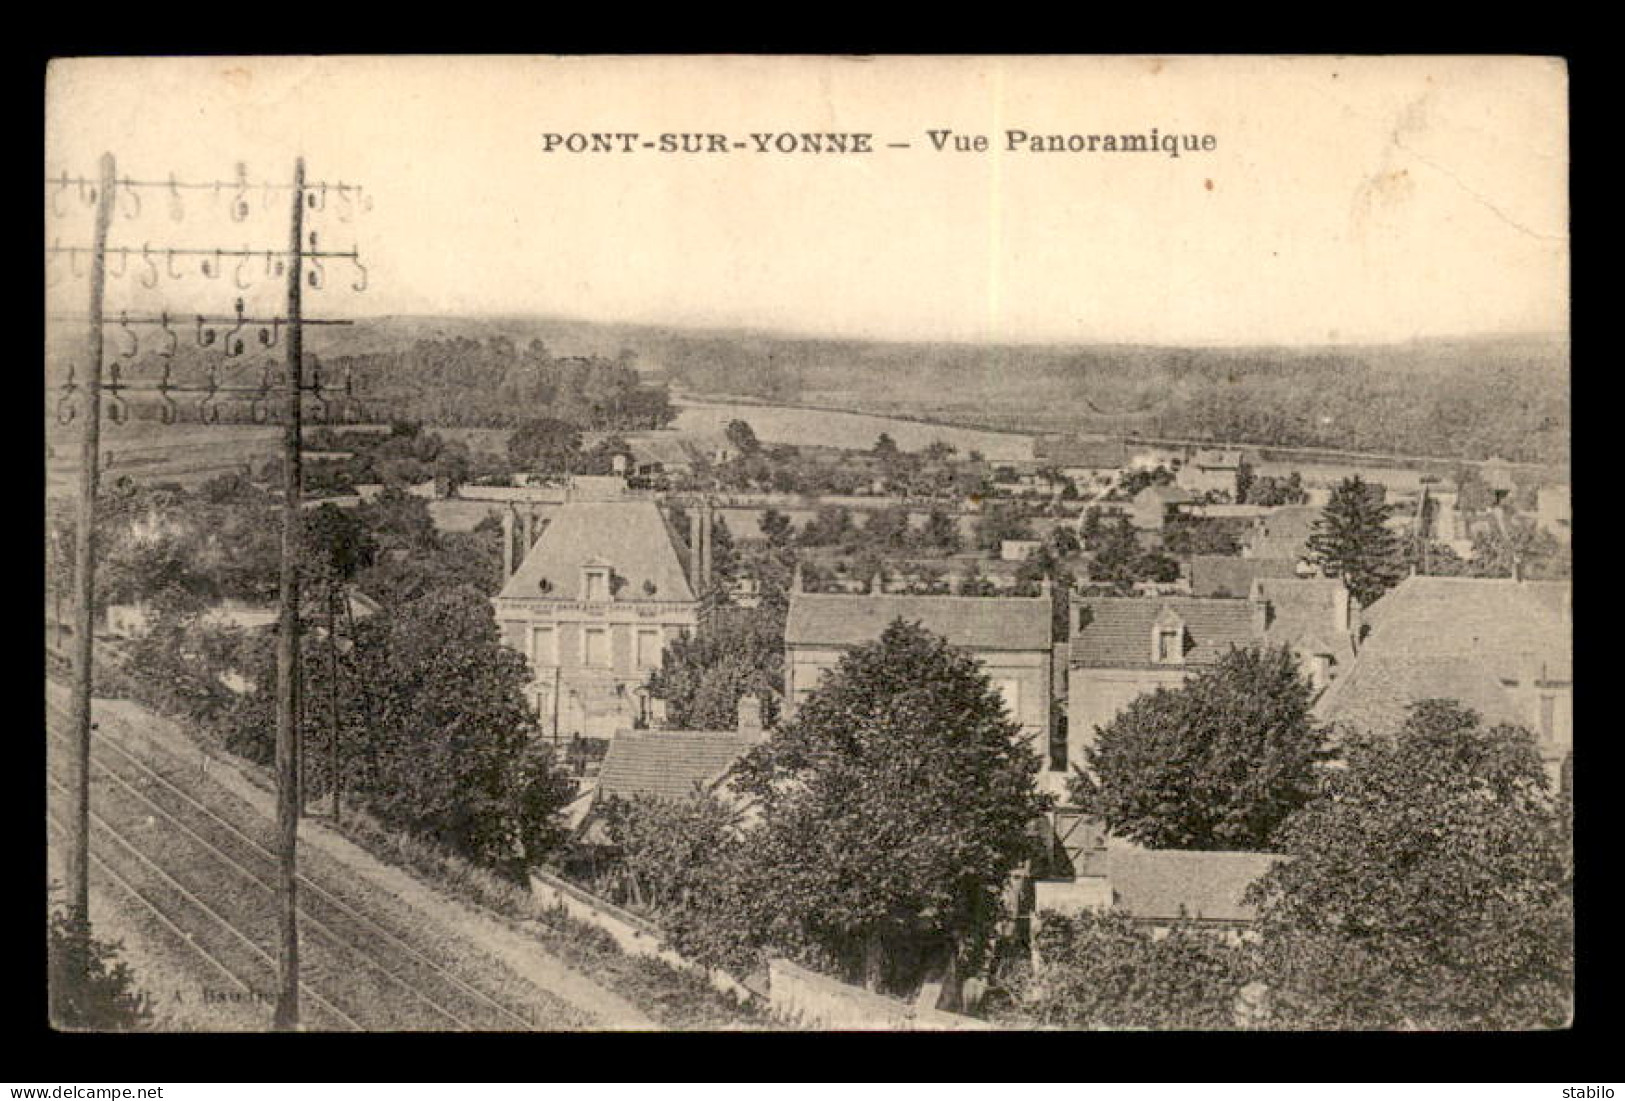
x=360, y=972
x=252, y=970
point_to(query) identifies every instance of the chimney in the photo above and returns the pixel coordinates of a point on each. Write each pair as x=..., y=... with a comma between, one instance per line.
x=1262, y=616
x=750, y=716
x=1341, y=620
x=507, y=544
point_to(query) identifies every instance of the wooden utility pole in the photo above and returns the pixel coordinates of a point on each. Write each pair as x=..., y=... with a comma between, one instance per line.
x=333, y=695
x=287, y=649
x=84, y=612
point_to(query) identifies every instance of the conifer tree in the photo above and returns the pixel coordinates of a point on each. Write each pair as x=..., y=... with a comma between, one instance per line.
x=1352, y=540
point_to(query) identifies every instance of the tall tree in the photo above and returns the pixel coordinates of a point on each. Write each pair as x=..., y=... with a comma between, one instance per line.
x=1217, y=763
x=1430, y=886
x=684, y=863
x=1000, y=521
x=895, y=806
x=440, y=742
x=735, y=651
x=940, y=531
x=547, y=444
x=777, y=527
x=1352, y=540
x=743, y=437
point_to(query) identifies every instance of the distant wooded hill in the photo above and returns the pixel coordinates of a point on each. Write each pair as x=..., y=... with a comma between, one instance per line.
x=1458, y=398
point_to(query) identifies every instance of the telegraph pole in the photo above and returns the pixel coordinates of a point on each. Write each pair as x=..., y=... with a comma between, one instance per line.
x=84, y=613
x=287, y=649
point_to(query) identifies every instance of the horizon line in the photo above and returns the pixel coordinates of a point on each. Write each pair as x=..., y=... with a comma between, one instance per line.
x=972, y=342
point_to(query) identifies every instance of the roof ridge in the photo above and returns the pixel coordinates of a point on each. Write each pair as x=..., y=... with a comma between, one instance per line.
x=917, y=596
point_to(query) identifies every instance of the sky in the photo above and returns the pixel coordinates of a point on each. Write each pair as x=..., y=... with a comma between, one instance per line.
x=1345, y=200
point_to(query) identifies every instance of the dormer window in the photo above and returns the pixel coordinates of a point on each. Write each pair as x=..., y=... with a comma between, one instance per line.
x=1168, y=639
x=595, y=583
x=1168, y=644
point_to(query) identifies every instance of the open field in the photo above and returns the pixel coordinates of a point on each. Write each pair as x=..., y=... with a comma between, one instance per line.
x=804, y=427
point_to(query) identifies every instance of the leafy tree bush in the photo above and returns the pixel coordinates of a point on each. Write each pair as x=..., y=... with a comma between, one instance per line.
x=91, y=989
x=941, y=532
x=1217, y=763
x=743, y=437
x=777, y=527
x=437, y=739
x=1105, y=971
x=546, y=444
x=683, y=862
x=1000, y=521
x=1431, y=885
x=1132, y=482
x=702, y=675
x=894, y=807
x=1188, y=535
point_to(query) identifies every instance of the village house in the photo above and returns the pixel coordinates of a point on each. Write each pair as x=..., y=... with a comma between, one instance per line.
x=604, y=586
x=1088, y=463
x=668, y=764
x=1500, y=646
x=1157, y=888
x=1211, y=470
x=1282, y=534
x=1125, y=647
x=1010, y=637
x=1227, y=575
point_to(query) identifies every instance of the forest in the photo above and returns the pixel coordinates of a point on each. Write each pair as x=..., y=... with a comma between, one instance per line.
x=1466, y=398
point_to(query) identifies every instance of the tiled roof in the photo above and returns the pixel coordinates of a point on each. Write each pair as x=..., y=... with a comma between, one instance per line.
x=1116, y=631
x=1376, y=693
x=1454, y=638
x=1507, y=624
x=1284, y=533
x=1165, y=884
x=1303, y=615
x=668, y=764
x=1289, y=522
x=631, y=535
x=970, y=622
x=1227, y=575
